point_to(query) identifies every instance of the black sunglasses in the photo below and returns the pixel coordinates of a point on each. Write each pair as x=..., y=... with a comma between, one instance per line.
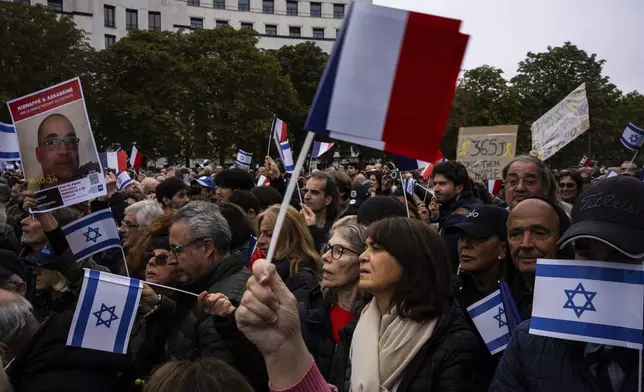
x=178, y=249
x=160, y=260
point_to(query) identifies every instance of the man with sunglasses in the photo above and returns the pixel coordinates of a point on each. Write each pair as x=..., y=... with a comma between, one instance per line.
x=57, y=150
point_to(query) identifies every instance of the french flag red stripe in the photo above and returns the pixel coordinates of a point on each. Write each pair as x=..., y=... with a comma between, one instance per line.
x=438, y=58
x=121, y=159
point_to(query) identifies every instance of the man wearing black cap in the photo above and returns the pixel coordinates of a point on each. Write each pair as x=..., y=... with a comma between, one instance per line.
x=607, y=225
x=13, y=273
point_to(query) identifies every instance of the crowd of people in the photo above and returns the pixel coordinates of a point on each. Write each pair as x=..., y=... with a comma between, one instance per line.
x=367, y=290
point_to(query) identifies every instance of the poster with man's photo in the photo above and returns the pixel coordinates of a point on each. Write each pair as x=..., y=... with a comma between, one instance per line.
x=57, y=149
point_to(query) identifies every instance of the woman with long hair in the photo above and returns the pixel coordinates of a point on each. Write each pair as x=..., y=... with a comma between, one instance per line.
x=296, y=259
x=412, y=336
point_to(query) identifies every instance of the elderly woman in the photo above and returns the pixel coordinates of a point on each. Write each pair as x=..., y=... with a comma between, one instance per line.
x=410, y=337
x=296, y=260
x=329, y=316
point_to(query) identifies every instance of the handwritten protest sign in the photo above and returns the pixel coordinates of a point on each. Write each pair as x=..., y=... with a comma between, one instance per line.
x=57, y=146
x=562, y=124
x=486, y=150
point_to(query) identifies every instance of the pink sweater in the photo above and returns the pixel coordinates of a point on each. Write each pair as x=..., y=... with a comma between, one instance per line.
x=311, y=382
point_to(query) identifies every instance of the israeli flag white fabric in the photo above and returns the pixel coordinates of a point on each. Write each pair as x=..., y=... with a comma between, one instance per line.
x=122, y=180
x=589, y=301
x=287, y=156
x=244, y=158
x=92, y=234
x=490, y=320
x=8, y=142
x=632, y=137
x=105, y=312
x=410, y=184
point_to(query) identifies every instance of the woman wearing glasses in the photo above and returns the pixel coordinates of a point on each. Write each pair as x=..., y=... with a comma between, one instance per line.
x=296, y=259
x=329, y=317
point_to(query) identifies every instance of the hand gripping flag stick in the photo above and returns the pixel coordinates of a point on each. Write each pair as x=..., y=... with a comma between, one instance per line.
x=289, y=193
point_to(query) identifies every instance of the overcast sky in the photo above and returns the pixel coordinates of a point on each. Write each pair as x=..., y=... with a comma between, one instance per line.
x=503, y=31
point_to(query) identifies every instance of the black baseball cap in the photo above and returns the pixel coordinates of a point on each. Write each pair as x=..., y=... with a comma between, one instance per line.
x=482, y=222
x=10, y=264
x=610, y=211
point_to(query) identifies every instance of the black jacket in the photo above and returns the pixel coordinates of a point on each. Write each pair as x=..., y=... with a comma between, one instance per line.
x=47, y=364
x=451, y=360
x=302, y=283
x=534, y=363
x=193, y=333
x=332, y=359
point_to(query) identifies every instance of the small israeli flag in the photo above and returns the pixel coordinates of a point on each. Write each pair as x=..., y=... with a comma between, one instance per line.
x=122, y=180
x=632, y=137
x=410, y=184
x=105, y=312
x=8, y=142
x=92, y=234
x=287, y=156
x=243, y=159
x=491, y=321
x=589, y=301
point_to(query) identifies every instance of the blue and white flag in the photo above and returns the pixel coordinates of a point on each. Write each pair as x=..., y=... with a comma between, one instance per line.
x=287, y=156
x=491, y=321
x=632, y=137
x=92, y=234
x=589, y=301
x=105, y=312
x=410, y=184
x=122, y=180
x=8, y=142
x=243, y=159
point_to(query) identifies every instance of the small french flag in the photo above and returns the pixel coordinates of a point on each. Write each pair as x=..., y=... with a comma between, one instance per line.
x=585, y=162
x=116, y=160
x=279, y=130
x=136, y=158
x=319, y=148
x=494, y=186
x=263, y=180
x=390, y=81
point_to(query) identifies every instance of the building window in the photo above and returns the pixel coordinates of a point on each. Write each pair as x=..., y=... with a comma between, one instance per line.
x=219, y=4
x=337, y=33
x=246, y=25
x=55, y=5
x=318, y=32
x=109, y=11
x=316, y=9
x=338, y=11
x=26, y=2
x=221, y=23
x=243, y=5
x=295, y=31
x=194, y=3
x=109, y=40
x=291, y=8
x=131, y=19
x=271, y=29
x=154, y=20
x=268, y=6
x=196, y=23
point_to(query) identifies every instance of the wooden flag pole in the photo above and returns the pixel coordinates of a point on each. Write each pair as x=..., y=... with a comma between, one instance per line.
x=289, y=193
x=631, y=162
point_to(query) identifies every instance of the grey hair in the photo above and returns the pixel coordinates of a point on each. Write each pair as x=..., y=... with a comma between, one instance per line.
x=548, y=180
x=15, y=314
x=203, y=220
x=3, y=214
x=11, y=283
x=145, y=212
x=355, y=235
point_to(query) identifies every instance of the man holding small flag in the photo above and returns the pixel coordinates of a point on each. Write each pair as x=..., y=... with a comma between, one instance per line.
x=587, y=321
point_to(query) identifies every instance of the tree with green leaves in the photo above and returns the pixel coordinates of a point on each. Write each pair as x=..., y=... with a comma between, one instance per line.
x=39, y=48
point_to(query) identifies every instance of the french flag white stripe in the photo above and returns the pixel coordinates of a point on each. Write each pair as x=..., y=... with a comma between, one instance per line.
x=365, y=74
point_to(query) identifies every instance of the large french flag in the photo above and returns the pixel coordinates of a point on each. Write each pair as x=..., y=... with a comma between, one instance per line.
x=320, y=148
x=279, y=130
x=136, y=158
x=116, y=160
x=390, y=81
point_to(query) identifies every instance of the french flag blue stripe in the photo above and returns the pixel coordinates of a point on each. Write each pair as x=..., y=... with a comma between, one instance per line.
x=86, y=308
x=587, y=329
x=319, y=114
x=316, y=149
x=128, y=310
x=498, y=342
x=484, y=307
x=590, y=273
x=107, y=213
x=9, y=155
x=111, y=243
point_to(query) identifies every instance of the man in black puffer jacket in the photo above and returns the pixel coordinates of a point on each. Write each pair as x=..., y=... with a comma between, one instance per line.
x=608, y=225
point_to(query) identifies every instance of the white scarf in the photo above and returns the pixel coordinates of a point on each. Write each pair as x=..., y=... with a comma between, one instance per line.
x=382, y=347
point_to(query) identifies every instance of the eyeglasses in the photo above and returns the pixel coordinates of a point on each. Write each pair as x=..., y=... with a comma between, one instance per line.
x=178, y=249
x=57, y=141
x=129, y=224
x=528, y=182
x=337, y=250
x=160, y=259
x=565, y=185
